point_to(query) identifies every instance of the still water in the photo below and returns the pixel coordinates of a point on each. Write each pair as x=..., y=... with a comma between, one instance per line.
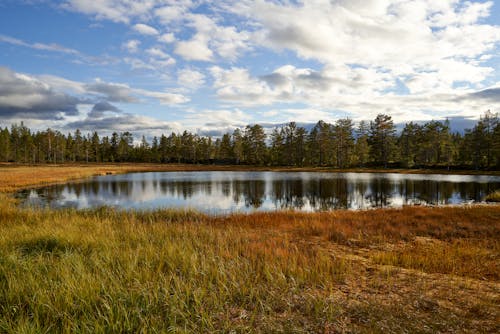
x=224, y=192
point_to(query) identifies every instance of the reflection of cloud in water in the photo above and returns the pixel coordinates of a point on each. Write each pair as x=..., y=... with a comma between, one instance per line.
x=222, y=192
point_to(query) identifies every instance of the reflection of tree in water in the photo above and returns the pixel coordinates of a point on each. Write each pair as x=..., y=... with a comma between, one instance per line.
x=288, y=194
x=225, y=187
x=253, y=192
x=236, y=192
x=325, y=193
x=380, y=192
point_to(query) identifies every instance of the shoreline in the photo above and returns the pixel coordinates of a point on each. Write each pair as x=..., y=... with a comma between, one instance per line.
x=15, y=177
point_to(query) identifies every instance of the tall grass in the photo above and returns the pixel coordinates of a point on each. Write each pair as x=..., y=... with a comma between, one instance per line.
x=493, y=197
x=106, y=270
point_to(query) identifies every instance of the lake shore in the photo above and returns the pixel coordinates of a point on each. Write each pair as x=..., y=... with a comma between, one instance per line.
x=413, y=269
x=16, y=177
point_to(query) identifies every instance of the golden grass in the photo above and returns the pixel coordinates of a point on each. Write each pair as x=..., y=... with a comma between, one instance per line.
x=493, y=197
x=113, y=271
x=414, y=269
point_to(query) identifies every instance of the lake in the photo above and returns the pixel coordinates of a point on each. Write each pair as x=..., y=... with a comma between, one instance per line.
x=225, y=192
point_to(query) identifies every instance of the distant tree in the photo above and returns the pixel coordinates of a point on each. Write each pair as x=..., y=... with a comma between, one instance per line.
x=361, y=147
x=238, y=146
x=96, y=147
x=343, y=142
x=5, y=150
x=382, y=139
x=226, y=148
x=254, y=141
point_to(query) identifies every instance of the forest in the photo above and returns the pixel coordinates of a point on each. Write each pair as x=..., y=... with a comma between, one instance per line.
x=342, y=144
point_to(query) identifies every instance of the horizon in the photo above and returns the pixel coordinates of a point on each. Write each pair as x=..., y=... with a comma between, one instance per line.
x=152, y=67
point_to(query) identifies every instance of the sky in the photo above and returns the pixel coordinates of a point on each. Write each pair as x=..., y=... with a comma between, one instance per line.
x=153, y=67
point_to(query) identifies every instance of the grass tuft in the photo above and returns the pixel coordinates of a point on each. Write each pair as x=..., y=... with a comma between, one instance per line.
x=493, y=197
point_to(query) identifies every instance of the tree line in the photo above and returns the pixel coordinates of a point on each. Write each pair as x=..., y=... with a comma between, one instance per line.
x=340, y=145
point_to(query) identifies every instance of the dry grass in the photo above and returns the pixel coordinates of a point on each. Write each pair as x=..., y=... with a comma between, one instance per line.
x=415, y=269
x=493, y=197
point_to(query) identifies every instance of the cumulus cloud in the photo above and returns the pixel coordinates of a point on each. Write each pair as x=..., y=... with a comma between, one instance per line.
x=167, y=38
x=132, y=45
x=194, y=49
x=158, y=53
x=125, y=122
x=217, y=122
x=416, y=59
x=100, y=108
x=53, y=98
x=24, y=95
x=114, y=92
x=190, y=78
x=145, y=29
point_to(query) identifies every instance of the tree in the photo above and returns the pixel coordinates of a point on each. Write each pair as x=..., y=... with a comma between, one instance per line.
x=382, y=139
x=277, y=149
x=238, y=146
x=125, y=146
x=343, y=142
x=319, y=143
x=361, y=147
x=225, y=148
x=408, y=144
x=95, y=144
x=255, y=144
x=489, y=122
x=5, y=153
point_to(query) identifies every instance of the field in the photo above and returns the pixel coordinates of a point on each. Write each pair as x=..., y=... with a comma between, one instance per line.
x=415, y=269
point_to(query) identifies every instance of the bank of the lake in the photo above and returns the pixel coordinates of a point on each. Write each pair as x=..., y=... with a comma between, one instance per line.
x=14, y=177
x=414, y=269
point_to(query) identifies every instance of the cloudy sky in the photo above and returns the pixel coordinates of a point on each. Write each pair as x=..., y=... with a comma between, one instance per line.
x=153, y=66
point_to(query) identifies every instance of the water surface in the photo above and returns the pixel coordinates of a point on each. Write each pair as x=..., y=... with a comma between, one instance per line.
x=224, y=192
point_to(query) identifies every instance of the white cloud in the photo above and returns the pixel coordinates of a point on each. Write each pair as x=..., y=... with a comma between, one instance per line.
x=394, y=36
x=215, y=122
x=190, y=78
x=145, y=29
x=158, y=53
x=132, y=45
x=194, y=49
x=412, y=58
x=38, y=46
x=163, y=97
x=167, y=38
x=114, y=10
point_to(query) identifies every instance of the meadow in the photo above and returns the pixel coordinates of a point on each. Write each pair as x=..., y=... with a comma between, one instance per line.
x=415, y=269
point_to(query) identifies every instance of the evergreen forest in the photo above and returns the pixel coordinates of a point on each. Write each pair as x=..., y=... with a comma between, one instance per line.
x=342, y=144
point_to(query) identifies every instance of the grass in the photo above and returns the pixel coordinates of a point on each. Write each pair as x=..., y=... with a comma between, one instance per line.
x=493, y=197
x=415, y=269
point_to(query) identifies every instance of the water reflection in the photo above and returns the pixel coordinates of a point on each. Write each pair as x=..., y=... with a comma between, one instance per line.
x=217, y=192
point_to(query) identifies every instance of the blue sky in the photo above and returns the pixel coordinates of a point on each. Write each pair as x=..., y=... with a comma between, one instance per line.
x=153, y=67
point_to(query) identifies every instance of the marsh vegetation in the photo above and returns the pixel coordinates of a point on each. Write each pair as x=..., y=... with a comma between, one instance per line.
x=418, y=269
